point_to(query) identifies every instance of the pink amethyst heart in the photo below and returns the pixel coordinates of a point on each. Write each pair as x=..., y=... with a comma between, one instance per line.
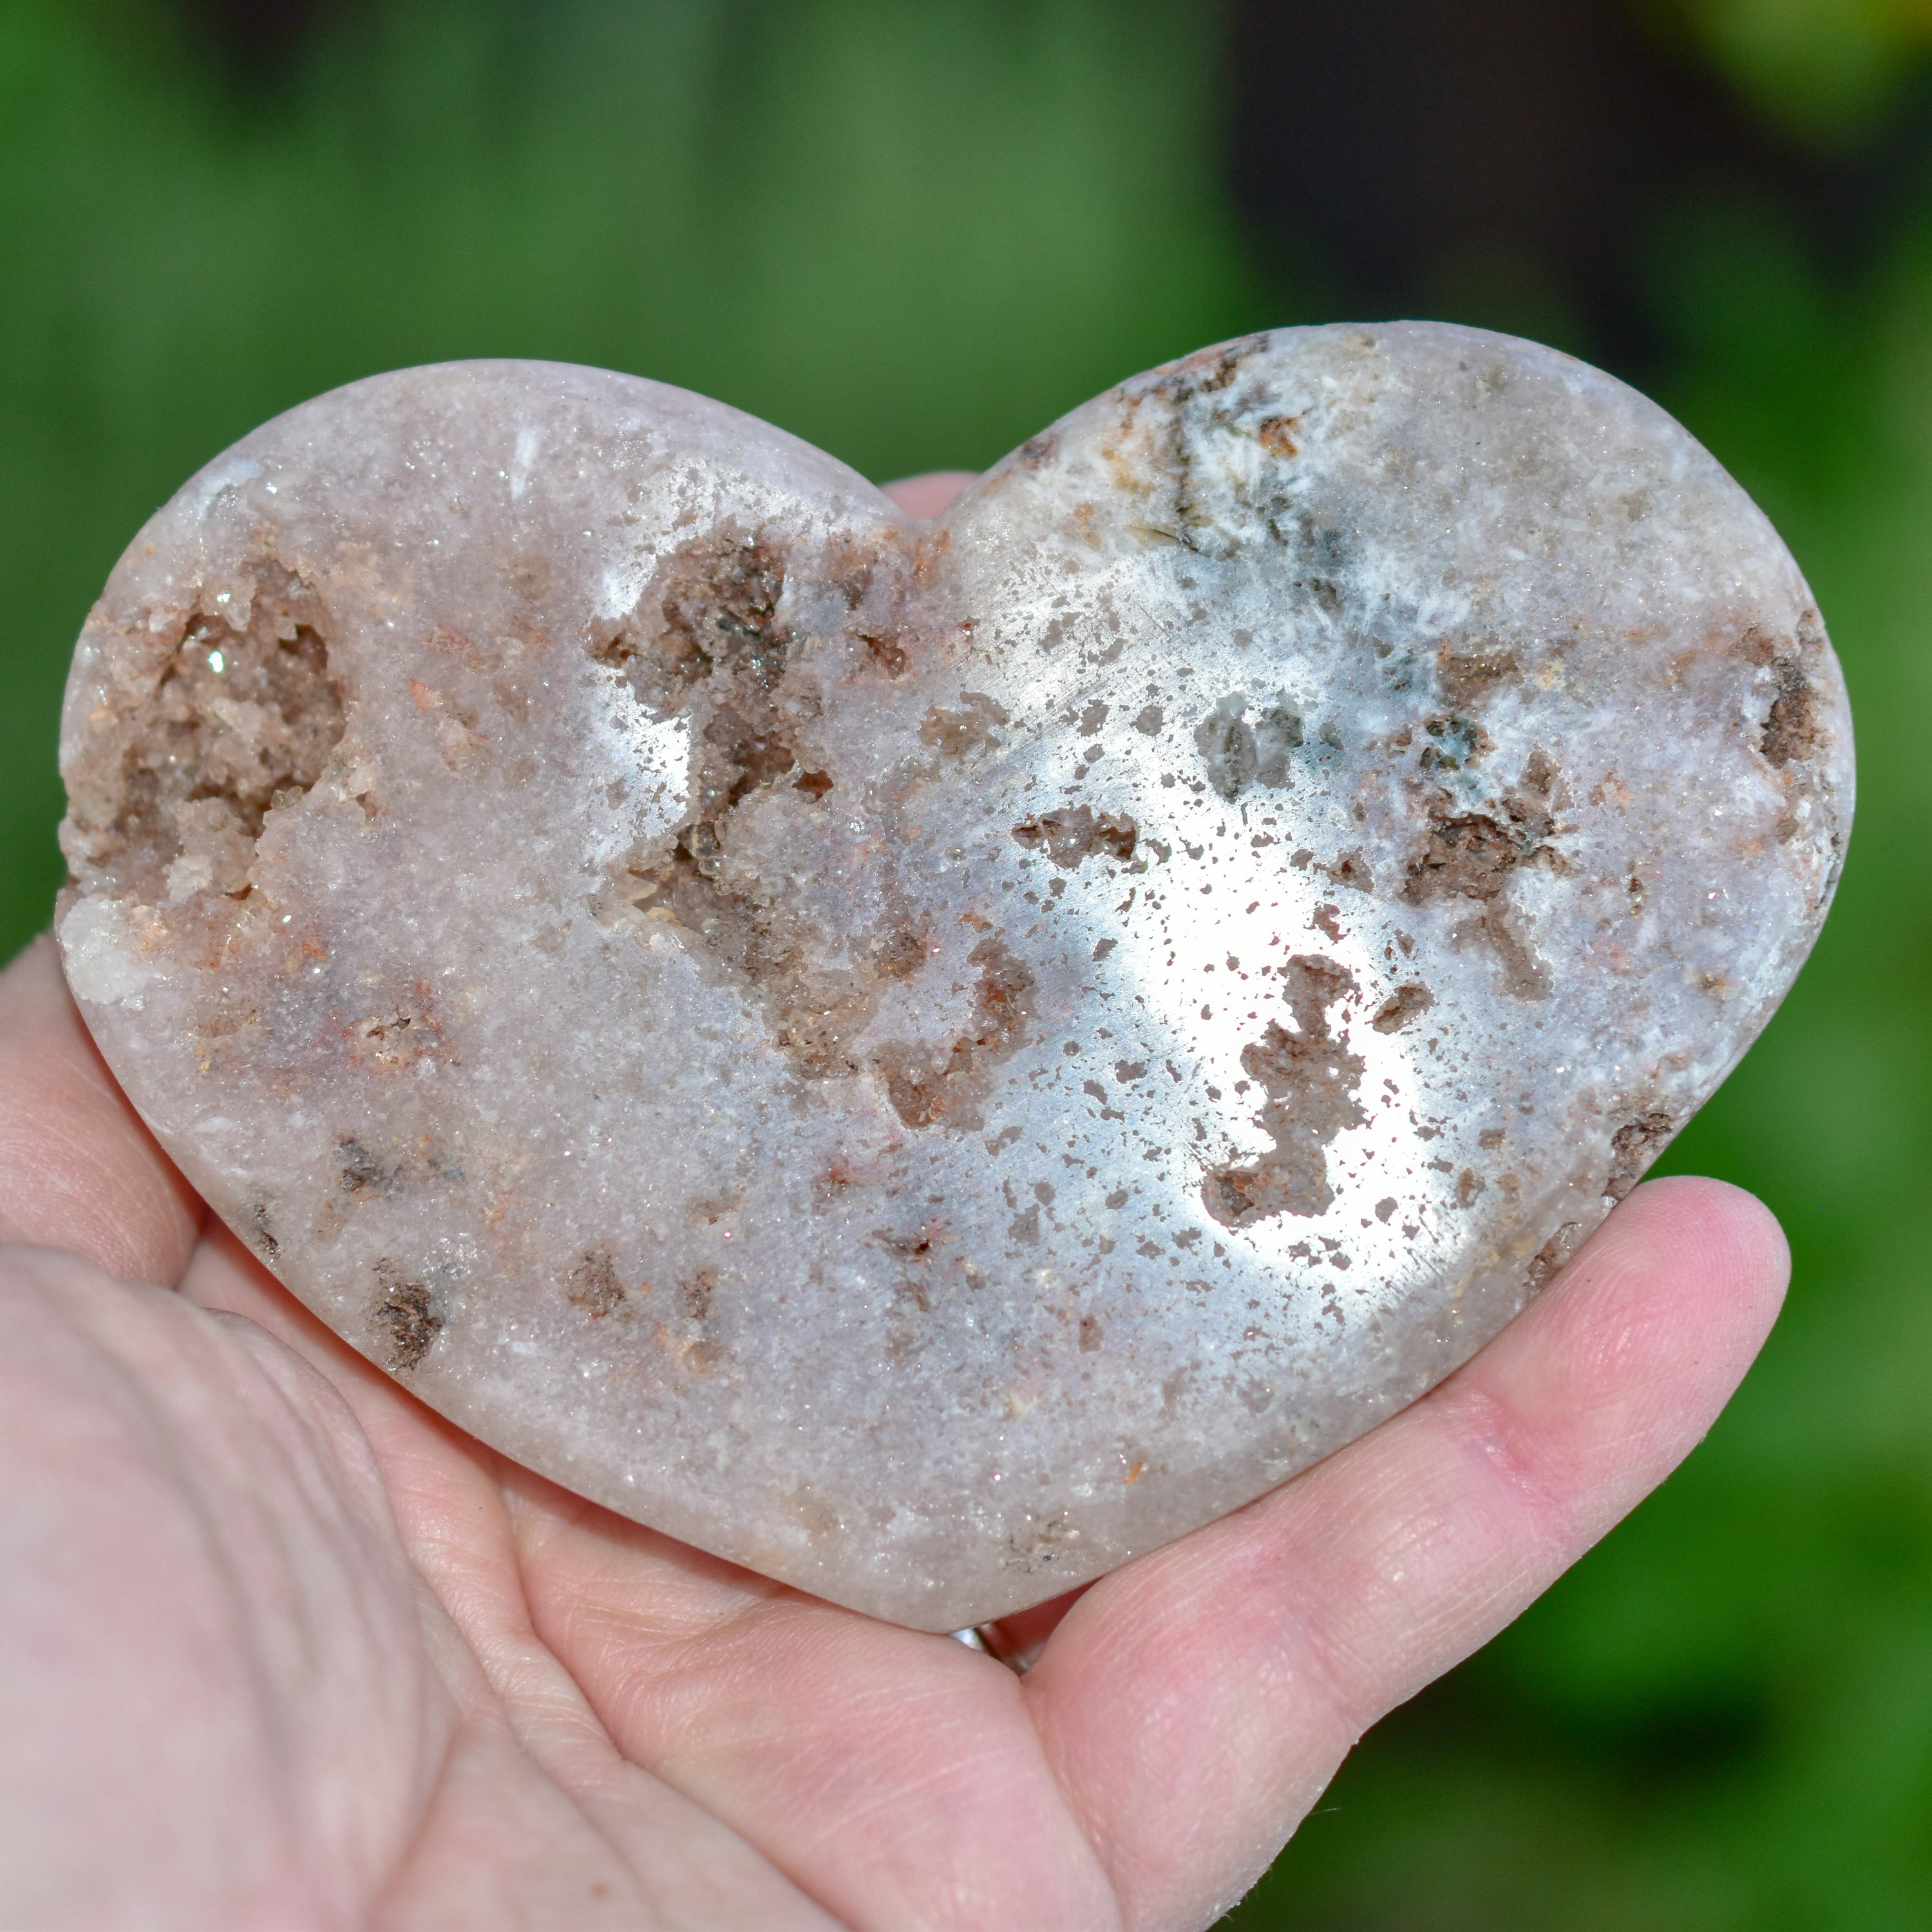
x=928, y=1059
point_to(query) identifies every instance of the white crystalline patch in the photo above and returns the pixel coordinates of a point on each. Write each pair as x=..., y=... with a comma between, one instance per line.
x=109, y=949
x=193, y=872
x=530, y=440
x=929, y=1059
x=219, y=477
x=650, y=758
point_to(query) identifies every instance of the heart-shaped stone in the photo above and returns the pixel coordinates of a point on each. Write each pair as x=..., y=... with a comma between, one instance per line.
x=927, y=1059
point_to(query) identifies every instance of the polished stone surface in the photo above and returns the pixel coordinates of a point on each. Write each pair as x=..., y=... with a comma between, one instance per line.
x=928, y=1059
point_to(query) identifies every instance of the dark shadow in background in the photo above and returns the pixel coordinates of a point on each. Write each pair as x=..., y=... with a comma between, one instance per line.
x=260, y=40
x=1508, y=162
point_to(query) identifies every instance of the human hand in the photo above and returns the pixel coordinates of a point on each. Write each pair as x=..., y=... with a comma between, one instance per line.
x=280, y=1647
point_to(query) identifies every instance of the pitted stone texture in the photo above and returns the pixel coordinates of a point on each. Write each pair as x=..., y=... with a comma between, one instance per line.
x=928, y=1059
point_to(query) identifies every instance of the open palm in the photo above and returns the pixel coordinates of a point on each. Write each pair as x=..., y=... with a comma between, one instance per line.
x=280, y=1647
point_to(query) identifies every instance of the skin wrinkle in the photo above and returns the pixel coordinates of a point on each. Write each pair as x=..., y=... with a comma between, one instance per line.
x=773, y=1642
x=276, y=1425
x=487, y=1716
x=858, y=1795
x=550, y=1722
x=475, y=1862
x=961, y=1893
x=689, y=1580
x=157, y=1404
x=560, y=1732
x=1421, y=1561
x=411, y=1852
x=1488, y=1428
x=1281, y=1620
x=516, y=1656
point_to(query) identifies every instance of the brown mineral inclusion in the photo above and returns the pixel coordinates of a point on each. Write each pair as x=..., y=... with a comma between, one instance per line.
x=927, y=1059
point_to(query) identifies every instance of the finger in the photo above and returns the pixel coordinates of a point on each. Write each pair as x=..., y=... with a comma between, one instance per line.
x=894, y=1777
x=1239, y=1665
x=78, y=1170
x=926, y=496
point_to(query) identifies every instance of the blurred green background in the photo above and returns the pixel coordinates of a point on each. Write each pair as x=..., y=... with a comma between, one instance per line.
x=914, y=231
